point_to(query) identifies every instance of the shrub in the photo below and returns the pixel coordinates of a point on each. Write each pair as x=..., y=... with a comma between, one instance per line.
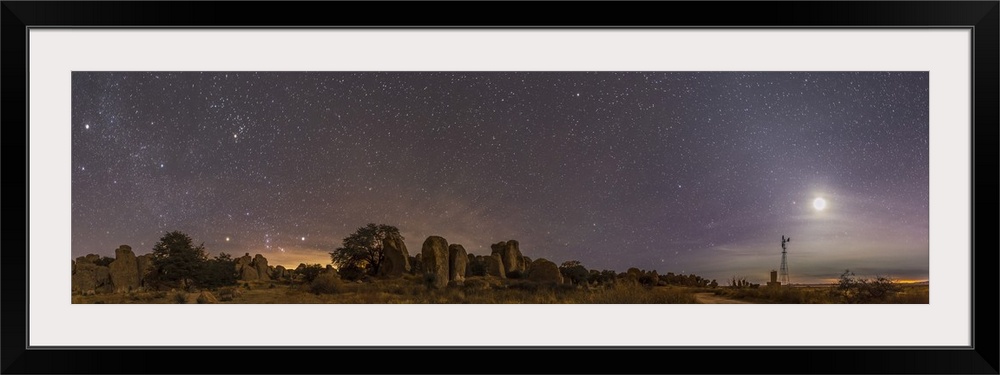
x=525, y=285
x=180, y=297
x=326, y=283
x=476, y=266
x=575, y=272
x=227, y=294
x=351, y=273
x=216, y=272
x=309, y=272
x=430, y=279
x=852, y=289
x=648, y=280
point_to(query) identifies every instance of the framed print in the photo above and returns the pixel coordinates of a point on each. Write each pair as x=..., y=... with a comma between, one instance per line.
x=313, y=181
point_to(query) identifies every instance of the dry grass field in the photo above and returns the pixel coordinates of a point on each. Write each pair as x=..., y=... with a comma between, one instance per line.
x=489, y=290
x=908, y=294
x=409, y=289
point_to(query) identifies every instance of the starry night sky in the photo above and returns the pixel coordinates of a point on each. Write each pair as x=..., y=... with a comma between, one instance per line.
x=684, y=172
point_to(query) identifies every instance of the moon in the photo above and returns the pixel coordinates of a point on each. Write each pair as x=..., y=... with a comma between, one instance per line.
x=819, y=204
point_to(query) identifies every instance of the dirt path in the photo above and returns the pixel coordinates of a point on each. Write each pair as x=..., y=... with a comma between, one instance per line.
x=714, y=299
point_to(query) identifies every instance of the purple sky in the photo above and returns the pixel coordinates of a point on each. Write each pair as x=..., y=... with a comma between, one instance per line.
x=683, y=172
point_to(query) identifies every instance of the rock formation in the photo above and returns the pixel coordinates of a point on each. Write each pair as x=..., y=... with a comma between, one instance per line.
x=84, y=280
x=510, y=253
x=494, y=266
x=544, y=271
x=253, y=269
x=458, y=258
x=207, y=297
x=434, y=257
x=248, y=273
x=396, y=260
x=260, y=264
x=124, y=270
x=470, y=264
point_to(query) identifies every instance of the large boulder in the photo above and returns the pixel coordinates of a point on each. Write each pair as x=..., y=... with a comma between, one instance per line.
x=470, y=264
x=544, y=271
x=511, y=254
x=206, y=297
x=243, y=261
x=103, y=277
x=260, y=264
x=251, y=269
x=124, y=270
x=458, y=258
x=280, y=272
x=85, y=278
x=494, y=266
x=396, y=260
x=248, y=273
x=434, y=257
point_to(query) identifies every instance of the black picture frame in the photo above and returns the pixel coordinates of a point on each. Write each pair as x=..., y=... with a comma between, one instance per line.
x=981, y=17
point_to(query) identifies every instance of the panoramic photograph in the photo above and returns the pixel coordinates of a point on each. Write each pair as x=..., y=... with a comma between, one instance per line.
x=493, y=187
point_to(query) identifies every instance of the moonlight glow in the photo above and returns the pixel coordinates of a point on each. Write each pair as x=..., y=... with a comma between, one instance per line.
x=819, y=204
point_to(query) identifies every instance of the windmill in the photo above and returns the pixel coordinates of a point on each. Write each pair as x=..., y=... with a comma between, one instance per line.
x=783, y=271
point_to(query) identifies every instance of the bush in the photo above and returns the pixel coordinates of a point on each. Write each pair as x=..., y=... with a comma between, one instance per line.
x=351, y=273
x=309, y=272
x=326, y=283
x=526, y=285
x=216, y=272
x=741, y=283
x=180, y=297
x=575, y=272
x=648, y=280
x=852, y=289
x=227, y=294
x=476, y=266
x=430, y=279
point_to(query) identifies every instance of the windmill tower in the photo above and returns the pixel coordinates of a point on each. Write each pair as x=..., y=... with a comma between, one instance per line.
x=783, y=271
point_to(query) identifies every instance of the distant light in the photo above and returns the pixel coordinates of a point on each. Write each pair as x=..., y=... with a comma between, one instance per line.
x=303, y=238
x=227, y=239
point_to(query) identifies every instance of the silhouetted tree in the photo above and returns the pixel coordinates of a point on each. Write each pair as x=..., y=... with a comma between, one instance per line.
x=309, y=272
x=573, y=270
x=365, y=248
x=176, y=260
x=217, y=272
